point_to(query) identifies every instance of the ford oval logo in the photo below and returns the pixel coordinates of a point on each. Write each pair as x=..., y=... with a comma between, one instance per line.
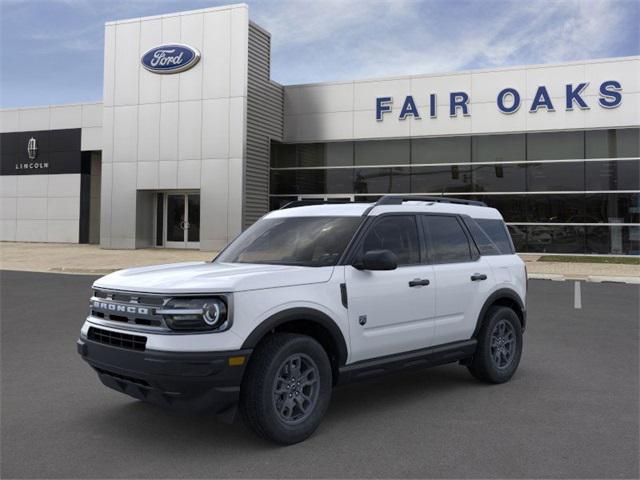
x=172, y=58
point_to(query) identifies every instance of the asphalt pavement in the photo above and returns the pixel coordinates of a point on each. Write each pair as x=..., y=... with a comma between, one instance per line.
x=571, y=411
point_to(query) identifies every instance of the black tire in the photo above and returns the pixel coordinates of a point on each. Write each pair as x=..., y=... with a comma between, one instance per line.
x=263, y=398
x=489, y=363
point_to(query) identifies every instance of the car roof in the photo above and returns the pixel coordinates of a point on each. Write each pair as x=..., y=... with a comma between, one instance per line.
x=359, y=209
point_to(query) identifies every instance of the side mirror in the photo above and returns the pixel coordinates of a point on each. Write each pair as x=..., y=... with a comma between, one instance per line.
x=377, y=260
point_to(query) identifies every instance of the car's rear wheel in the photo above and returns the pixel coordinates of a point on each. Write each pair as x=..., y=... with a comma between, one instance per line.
x=499, y=346
x=287, y=388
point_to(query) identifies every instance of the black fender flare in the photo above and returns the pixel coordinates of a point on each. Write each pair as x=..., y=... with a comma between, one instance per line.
x=502, y=293
x=300, y=314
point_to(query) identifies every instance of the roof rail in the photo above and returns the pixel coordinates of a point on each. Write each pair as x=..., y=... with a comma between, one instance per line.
x=400, y=199
x=312, y=201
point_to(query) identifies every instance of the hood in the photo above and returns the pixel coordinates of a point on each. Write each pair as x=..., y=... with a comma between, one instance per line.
x=207, y=277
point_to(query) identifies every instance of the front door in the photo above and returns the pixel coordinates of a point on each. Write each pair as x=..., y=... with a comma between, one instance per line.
x=182, y=220
x=391, y=311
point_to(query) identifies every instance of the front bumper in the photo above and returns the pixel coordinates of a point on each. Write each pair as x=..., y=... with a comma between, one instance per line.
x=195, y=381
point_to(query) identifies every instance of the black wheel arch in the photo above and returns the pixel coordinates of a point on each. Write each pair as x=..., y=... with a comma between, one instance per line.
x=504, y=297
x=306, y=321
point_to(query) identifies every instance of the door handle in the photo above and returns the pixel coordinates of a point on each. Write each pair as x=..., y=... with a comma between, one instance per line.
x=419, y=282
x=478, y=276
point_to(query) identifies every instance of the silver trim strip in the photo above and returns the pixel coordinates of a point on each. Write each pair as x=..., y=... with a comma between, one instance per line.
x=471, y=163
x=449, y=194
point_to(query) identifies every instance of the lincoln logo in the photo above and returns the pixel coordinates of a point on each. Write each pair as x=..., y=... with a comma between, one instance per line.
x=32, y=149
x=170, y=58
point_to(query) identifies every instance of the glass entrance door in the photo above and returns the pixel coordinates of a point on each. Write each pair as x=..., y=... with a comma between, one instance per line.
x=182, y=220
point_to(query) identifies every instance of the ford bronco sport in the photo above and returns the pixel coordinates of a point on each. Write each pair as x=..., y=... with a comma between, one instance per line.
x=310, y=297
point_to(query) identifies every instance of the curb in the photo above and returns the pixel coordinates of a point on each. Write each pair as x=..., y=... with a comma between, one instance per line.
x=588, y=278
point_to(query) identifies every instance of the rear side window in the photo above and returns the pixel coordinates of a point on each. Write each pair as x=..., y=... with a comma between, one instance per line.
x=397, y=233
x=484, y=243
x=447, y=240
x=498, y=233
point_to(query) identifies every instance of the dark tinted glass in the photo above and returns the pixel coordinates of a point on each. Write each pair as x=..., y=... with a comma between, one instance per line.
x=283, y=155
x=309, y=182
x=613, y=240
x=382, y=180
x=613, y=175
x=555, y=145
x=305, y=241
x=613, y=143
x=612, y=208
x=382, y=152
x=397, y=233
x=499, y=148
x=441, y=150
x=551, y=238
x=483, y=242
x=555, y=208
x=513, y=208
x=564, y=176
x=499, y=178
x=439, y=179
x=447, y=239
x=497, y=232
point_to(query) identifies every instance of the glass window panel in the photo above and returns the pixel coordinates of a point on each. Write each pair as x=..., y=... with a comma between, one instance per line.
x=193, y=234
x=339, y=154
x=481, y=238
x=397, y=233
x=499, y=178
x=555, y=145
x=513, y=208
x=613, y=175
x=382, y=180
x=613, y=240
x=382, y=152
x=339, y=180
x=441, y=150
x=519, y=237
x=499, y=148
x=544, y=177
x=283, y=182
x=310, y=154
x=613, y=143
x=555, y=239
x=555, y=208
x=447, y=240
x=497, y=232
x=441, y=179
x=283, y=155
x=612, y=208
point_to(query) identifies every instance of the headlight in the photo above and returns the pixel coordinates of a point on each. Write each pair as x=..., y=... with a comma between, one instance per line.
x=196, y=314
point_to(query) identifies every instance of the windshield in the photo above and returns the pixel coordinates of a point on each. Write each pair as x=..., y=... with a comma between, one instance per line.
x=304, y=241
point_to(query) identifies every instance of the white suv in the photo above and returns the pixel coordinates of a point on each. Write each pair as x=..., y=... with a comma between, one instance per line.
x=309, y=297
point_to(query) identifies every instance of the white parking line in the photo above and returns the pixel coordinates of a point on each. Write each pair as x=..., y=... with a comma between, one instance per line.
x=577, y=295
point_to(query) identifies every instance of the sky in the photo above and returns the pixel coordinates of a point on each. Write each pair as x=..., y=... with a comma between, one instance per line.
x=51, y=51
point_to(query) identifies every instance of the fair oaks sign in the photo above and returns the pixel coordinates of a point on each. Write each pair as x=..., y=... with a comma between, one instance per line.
x=508, y=101
x=173, y=58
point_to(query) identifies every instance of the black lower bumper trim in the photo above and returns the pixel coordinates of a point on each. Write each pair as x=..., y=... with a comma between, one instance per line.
x=194, y=381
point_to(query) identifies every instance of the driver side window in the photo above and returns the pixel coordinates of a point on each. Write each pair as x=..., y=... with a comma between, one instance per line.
x=397, y=233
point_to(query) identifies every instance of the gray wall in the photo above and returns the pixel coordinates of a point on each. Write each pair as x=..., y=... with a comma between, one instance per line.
x=265, y=121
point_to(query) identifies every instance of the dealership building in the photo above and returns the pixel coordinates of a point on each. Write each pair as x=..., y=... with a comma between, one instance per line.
x=193, y=142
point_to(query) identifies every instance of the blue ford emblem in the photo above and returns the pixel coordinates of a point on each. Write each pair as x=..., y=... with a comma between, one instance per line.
x=172, y=58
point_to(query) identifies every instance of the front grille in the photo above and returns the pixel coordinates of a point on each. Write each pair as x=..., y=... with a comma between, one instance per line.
x=117, y=339
x=130, y=308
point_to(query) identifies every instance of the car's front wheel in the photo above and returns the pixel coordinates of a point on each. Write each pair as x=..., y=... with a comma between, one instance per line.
x=499, y=346
x=287, y=388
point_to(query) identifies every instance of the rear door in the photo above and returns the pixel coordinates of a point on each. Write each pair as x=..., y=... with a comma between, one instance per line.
x=462, y=277
x=391, y=311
